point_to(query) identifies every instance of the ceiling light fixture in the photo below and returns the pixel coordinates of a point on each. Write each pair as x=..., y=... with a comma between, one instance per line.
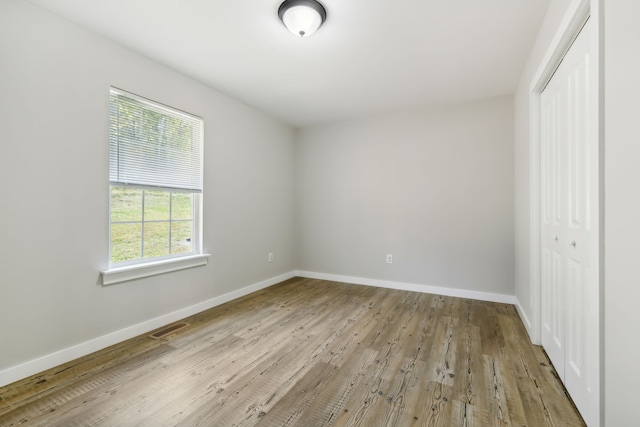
x=302, y=17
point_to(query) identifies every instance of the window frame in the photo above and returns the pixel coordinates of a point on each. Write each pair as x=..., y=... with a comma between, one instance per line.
x=117, y=272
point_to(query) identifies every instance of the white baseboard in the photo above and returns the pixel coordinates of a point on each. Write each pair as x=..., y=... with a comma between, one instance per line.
x=527, y=324
x=32, y=367
x=429, y=289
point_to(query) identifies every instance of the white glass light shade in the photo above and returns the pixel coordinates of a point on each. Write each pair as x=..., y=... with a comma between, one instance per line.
x=302, y=20
x=302, y=17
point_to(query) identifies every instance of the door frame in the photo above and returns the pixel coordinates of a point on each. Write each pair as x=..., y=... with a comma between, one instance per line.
x=575, y=17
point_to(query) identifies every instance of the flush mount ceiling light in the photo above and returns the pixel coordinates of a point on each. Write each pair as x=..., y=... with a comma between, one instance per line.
x=302, y=17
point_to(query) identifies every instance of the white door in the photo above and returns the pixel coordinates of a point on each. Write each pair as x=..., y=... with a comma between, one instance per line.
x=568, y=187
x=554, y=221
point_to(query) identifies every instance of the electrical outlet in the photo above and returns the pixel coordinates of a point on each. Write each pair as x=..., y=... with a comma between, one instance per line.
x=389, y=259
x=270, y=257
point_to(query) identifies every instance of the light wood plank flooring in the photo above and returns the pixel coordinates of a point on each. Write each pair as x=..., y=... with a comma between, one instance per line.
x=310, y=353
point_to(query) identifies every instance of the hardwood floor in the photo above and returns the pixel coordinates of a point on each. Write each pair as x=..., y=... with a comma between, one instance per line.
x=310, y=353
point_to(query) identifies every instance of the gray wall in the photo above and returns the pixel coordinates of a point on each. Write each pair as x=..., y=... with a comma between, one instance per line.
x=432, y=187
x=622, y=211
x=54, y=203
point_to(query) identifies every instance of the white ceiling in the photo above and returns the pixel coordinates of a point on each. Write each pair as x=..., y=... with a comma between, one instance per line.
x=370, y=56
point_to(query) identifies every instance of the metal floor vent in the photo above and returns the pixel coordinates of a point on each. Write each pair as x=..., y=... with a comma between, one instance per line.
x=168, y=330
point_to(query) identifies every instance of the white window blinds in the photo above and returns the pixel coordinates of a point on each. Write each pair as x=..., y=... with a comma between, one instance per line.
x=152, y=145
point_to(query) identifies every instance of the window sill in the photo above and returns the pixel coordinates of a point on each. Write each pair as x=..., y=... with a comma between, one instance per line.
x=132, y=272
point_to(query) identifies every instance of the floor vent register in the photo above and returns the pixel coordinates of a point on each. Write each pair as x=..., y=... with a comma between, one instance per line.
x=172, y=329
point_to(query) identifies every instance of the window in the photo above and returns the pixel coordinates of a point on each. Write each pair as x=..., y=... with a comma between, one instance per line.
x=155, y=177
x=150, y=223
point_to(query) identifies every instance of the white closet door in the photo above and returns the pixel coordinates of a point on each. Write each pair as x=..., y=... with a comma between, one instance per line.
x=554, y=220
x=579, y=276
x=567, y=188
